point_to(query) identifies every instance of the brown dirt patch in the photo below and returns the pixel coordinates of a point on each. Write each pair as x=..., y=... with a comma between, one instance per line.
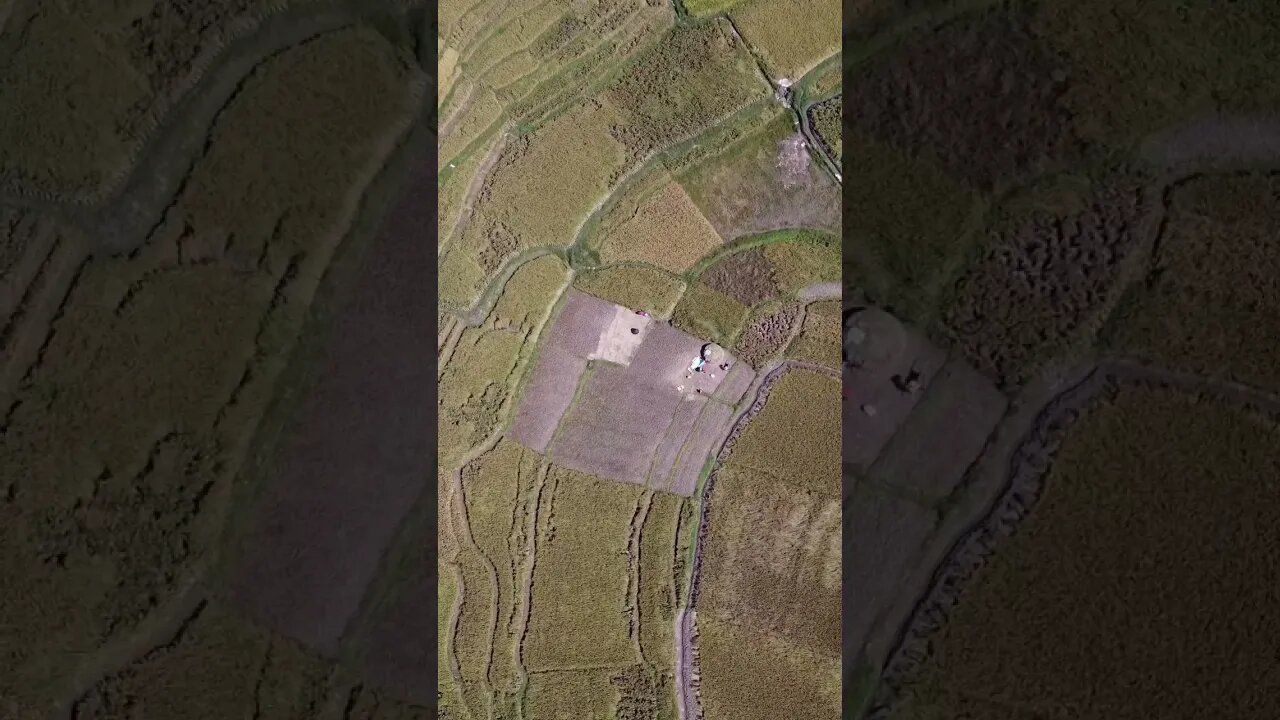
x=747, y=277
x=981, y=95
x=500, y=243
x=765, y=334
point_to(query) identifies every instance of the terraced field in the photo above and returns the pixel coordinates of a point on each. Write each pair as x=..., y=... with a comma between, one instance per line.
x=590, y=250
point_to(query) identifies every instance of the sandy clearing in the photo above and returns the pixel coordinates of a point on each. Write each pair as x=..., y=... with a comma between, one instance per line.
x=546, y=398
x=621, y=337
x=582, y=319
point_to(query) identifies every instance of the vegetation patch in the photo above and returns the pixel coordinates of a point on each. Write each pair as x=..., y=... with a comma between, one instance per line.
x=580, y=578
x=1210, y=299
x=473, y=387
x=693, y=77
x=528, y=296
x=906, y=224
x=808, y=461
x=1128, y=533
x=821, y=335
x=765, y=181
x=656, y=589
x=665, y=230
x=1042, y=279
x=747, y=675
x=232, y=666
x=801, y=258
x=824, y=117
x=634, y=286
x=709, y=314
x=745, y=276
x=792, y=35
x=1137, y=69
x=571, y=694
x=981, y=96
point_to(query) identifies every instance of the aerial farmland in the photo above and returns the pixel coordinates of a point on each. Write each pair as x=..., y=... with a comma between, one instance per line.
x=1061, y=414
x=639, y=287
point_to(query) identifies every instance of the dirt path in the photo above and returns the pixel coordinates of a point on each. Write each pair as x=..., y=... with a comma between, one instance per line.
x=1216, y=142
x=526, y=588
x=468, y=205
x=821, y=291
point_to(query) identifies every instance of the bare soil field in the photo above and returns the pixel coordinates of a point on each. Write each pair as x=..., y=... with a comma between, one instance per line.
x=707, y=433
x=959, y=410
x=546, y=397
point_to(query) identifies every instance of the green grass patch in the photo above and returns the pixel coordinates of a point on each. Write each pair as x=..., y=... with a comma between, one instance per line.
x=710, y=314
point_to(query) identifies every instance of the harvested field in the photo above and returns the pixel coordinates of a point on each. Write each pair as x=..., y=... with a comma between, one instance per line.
x=613, y=430
x=710, y=314
x=886, y=537
x=771, y=562
x=544, y=400
x=764, y=181
x=736, y=383
x=958, y=411
x=666, y=230
x=1044, y=280
x=821, y=335
x=1124, y=592
x=695, y=76
x=766, y=333
x=634, y=286
x=703, y=442
x=747, y=676
x=1139, y=68
x=906, y=225
x=793, y=36
x=810, y=460
x=824, y=117
x=581, y=320
x=580, y=578
x=872, y=386
x=982, y=97
x=745, y=276
x=686, y=415
x=1209, y=301
x=529, y=295
x=231, y=665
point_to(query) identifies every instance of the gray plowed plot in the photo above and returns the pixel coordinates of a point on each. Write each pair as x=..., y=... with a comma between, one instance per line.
x=709, y=429
x=687, y=413
x=614, y=429
x=883, y=535
x=735, y=383
x=356, y=456
x=582, y=318
x=546, y=398
x=866, y=435
x=953, y=420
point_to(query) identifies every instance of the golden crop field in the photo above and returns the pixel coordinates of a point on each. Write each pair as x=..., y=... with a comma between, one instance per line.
x=634, y=286
x=791, y=47
x=710, y=314
x=481, y=115
x=473, y=386
x=1152, y=544
x=570, y=695
x=803, y=258
x=747, y=676
x=656, y=588
x=579, y=613
x=666, y=230
x=820, y=340
x=530, y=293
x=809, y=461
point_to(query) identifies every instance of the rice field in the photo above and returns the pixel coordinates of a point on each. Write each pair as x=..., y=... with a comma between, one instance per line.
x=580, y=575
x=530, y=293
x=801, y=258
x=821, y=335
x=634, y=286
x=809, y=461
x=665, y=230
x=1123, y=591
x=792, y=36
x=748, y=676
x=710, y=314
